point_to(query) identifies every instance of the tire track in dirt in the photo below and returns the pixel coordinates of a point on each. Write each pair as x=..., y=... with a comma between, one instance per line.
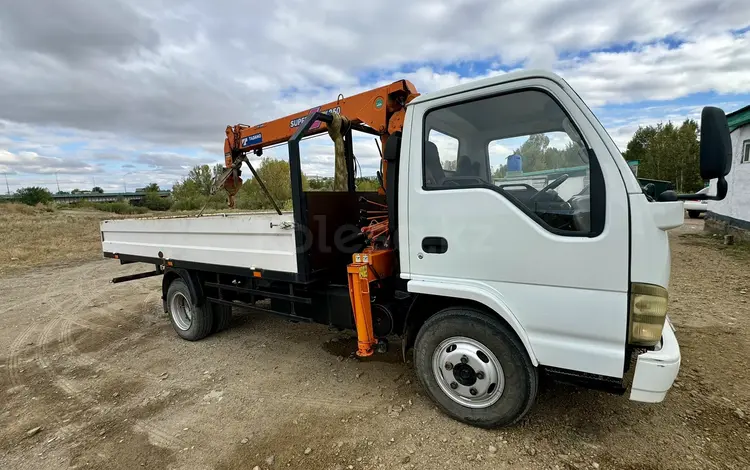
x=56, y=378
x=17, y=346
x=68, y=344
x=41, y=353
x=59, y=309
x=66, y=310
x=161, y=437
x=156, y=434
x=15, y=351
x=41, y=362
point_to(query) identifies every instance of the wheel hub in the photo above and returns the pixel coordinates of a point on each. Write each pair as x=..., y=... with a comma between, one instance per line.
x=468, y=372
x=181, y=311
x=465, y=375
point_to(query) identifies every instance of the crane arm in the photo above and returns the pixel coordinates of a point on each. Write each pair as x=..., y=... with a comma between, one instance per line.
x=380, y=109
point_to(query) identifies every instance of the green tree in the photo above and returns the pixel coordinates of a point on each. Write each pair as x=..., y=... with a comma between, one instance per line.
x=668, y=152
x=97, y=189
x=194, y=191
x=151, y=188
x=34, y=195
x=76, y=191
x=203, y=179
x=276, y=177
x=636, y=149
x=501, y=172
x=367, y=183
x=533, y=153
x=537, y=154
x=321, y=184
x=153, y=201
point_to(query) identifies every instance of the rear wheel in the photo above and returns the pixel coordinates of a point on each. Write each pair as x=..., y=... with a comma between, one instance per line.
x=222, y=317
x=189, y=321
x=475, y=368
x=693, y=214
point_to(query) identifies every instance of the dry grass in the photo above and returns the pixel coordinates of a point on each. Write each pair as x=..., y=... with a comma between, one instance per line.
x=33, y=236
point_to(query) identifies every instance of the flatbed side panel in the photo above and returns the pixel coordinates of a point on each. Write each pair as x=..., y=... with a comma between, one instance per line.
x=245, y=240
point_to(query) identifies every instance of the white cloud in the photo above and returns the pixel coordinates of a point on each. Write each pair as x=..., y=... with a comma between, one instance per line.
x=716, y=63
x=32, y=162
x=498, y=153
x=178, y=71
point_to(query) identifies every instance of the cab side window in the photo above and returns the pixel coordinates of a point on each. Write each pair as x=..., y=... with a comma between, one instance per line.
x=524, y=146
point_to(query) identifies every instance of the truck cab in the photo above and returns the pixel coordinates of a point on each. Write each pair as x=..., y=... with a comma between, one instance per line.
x=565, y=248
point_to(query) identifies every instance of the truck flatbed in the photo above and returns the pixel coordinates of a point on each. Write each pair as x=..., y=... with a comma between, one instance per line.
x=237, y=240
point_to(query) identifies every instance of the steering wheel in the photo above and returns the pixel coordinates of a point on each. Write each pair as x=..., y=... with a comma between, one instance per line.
x=555, y=183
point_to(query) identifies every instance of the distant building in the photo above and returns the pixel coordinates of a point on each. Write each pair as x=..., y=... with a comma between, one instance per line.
x=733, y=213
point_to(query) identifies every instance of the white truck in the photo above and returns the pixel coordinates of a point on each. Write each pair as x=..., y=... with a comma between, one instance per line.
x=490, y=282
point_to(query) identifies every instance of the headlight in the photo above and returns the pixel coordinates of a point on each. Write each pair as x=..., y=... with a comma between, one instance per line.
x=648, y=311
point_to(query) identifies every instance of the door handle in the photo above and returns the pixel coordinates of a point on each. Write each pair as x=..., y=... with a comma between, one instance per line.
x=436, y=245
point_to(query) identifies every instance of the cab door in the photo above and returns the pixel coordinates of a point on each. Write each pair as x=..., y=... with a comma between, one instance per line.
x=515, y=202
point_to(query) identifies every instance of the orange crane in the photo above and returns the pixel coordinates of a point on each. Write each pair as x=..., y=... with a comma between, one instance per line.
x=380, y=112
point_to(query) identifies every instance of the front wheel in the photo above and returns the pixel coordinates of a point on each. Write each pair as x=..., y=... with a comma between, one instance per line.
x=475, y=368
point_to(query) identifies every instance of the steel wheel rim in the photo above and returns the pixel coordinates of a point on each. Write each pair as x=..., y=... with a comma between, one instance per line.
x=181, y=310
x=468, y=372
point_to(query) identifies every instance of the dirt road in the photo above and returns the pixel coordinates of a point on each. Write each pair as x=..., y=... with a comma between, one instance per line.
x=92, y=376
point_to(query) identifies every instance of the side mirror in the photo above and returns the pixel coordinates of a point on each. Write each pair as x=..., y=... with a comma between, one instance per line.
x=716, y=145
x=392, y=149
x=716, y=156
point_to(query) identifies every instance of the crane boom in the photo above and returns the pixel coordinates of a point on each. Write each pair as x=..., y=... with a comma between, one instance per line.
x=380, y=109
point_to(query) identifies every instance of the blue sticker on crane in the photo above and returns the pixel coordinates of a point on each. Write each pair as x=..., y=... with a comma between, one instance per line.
x=252, y=139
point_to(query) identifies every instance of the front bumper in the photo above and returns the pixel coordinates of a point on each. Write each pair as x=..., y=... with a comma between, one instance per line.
x=656, y=370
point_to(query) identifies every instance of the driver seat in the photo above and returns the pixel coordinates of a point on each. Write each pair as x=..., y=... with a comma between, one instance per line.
x=434, y=174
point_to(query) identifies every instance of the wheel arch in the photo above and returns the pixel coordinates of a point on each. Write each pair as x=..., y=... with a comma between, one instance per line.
x=432, y=297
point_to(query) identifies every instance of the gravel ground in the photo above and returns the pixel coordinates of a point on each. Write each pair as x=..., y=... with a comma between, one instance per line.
x=92, y=376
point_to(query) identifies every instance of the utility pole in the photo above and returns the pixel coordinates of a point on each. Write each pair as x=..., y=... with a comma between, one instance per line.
x=6, y=183
x=58, y=182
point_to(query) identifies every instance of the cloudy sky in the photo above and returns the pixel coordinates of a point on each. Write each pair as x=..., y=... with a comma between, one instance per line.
x=124, y=93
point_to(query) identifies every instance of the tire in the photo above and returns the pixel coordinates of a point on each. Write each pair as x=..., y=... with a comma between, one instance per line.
x=464, y=330
x=694, y=214
x=222, y=317
x=190, y=322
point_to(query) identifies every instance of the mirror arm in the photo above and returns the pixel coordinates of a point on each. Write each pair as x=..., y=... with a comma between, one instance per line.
x=721, y=193
x=693, y=197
